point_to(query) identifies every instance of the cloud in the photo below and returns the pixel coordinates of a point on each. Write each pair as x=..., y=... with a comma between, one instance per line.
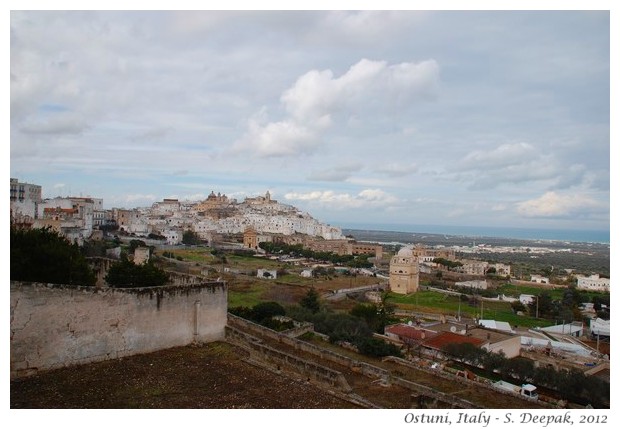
x=502, y=156
x=151, y=134
x=552, y=204
x=317, y=96
x=60, y=124
x=397, y=170
x=336, y=174
x=519, y=163
x=344, y=201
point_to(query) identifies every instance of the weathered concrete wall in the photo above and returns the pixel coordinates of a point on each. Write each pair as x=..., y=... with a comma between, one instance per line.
x=55, y=325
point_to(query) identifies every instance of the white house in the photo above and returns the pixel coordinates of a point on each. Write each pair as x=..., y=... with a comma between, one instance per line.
x=594, y=282
x=267, y=274
x=474, y=284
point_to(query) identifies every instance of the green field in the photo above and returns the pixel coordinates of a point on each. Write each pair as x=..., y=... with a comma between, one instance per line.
x=555, y=293
x=251, y=262
x=197, y=254
x=516, y=290
x=437, y=302
x=246, y=298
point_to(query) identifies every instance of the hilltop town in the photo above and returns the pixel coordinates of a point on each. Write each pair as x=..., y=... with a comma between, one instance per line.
x=78, y=217
x=366, y=321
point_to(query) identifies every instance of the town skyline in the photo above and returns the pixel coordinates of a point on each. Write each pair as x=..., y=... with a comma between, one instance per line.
x=443, y=118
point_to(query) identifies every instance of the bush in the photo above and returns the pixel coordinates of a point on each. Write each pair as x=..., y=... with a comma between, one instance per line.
x=377, y=348
x=42, y=255
x=128, y=274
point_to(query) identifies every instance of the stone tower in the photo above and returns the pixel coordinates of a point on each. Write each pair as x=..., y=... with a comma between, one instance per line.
x=404, y=272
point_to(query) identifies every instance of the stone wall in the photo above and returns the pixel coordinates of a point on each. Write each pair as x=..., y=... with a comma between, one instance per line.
x=236, y=325
x=57, y=325
x=318, y=373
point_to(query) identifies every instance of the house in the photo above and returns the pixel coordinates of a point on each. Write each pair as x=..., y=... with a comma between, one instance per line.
x=474, y=284
x=436, y=344
x=526, y=299
x=267, y=274
x=408, y=333
x=141, y=255
x=539, y=279
x=594, y=282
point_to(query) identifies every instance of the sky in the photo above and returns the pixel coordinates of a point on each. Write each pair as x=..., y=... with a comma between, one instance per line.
x=480, y=118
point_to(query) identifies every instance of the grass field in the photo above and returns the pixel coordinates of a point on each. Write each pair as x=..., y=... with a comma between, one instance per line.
x=437, y=302
x=516, y=290
x=247, y=296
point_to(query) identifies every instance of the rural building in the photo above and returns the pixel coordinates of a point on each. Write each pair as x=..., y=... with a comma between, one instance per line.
x=267, y=274
x=594, y=282
x=408, y=334
x=474, y=284
x=141, y=255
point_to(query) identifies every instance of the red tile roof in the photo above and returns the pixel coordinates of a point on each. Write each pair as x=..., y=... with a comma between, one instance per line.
x=409, y=332
x=438, y=341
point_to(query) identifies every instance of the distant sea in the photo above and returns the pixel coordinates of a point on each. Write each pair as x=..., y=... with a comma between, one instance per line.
x=572, y=235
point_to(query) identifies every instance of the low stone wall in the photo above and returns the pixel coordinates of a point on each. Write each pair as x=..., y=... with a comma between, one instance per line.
x=58, y=325
x=313, y=371
x=364, y=368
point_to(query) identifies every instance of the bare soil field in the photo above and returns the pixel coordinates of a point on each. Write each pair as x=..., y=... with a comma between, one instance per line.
x=209, y=376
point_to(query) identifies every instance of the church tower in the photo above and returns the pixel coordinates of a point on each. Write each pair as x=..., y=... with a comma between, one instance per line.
x=404, y=272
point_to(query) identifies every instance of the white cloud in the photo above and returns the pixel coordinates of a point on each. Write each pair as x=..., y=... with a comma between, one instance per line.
x=66, y=123
x=501, y=156
x=397, y=169
x=338, y=173
x=344, y=201
x=317, y=96
x=285, y=138
x=552, y=204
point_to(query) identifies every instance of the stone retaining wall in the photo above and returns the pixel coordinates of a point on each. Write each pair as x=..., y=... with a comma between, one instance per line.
x=59, y=325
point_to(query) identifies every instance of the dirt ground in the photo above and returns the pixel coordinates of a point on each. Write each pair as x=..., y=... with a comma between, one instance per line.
x=209, y=376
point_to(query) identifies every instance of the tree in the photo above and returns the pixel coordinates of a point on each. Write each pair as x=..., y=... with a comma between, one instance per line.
x=266, y=310
x=127, y=274
x=42, y=255
x=134, y=244
x=311, y=301
x=517, y=306
x=542, y=306
x=190, y=237
x=375, y=347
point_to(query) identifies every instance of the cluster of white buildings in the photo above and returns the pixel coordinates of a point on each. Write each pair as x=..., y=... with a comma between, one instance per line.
x=74, y=217
x=78, y=217
x=221, y=215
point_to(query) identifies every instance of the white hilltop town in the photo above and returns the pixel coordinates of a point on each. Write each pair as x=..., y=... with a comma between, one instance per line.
x=77, y=218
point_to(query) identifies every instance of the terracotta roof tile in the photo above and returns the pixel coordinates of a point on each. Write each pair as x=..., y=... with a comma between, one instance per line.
x=438, y=341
